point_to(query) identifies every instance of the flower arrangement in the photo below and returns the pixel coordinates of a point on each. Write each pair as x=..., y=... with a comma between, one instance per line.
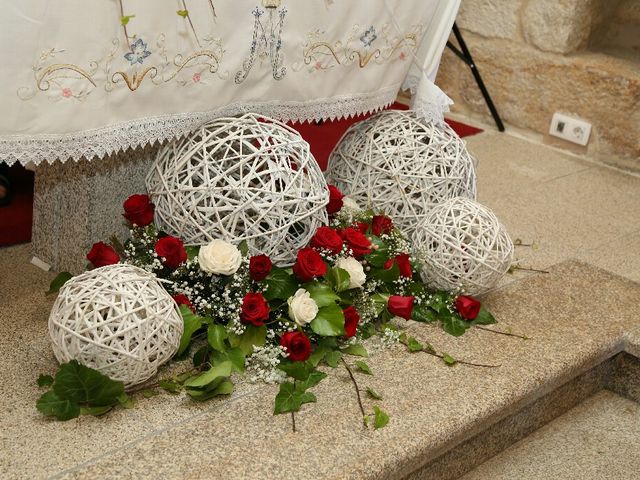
x=345, y=295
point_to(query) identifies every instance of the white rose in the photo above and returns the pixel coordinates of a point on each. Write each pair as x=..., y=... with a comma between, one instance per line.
x=357, y=277
x=302, y=308
x=220, y=257
x=350, y=204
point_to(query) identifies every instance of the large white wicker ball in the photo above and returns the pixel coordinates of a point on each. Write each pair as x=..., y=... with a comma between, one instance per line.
x=118, y=320
x=246, y=178
x=463, y=247
x=402, y=165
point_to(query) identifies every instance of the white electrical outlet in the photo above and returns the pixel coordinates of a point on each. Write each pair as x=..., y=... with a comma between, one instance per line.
x=569, y=128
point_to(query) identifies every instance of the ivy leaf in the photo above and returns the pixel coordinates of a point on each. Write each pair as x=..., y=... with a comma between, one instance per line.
x=280, y=285
x=414, y=345
x=454, y=325
x=225, y=387
x=57, y=283
x=332, y=358
x=423, y=314
x=484, y=318
x=150, y=392
x=211, y=378
x=251, y=336
x=363, y=367
x=192, y=252
x=95, y=411
x=192, y=323
x=381, y=418
x=314, y=379
x=329, y=322
x=377, y=258
x=183, y=13
x=318, y=355
x=126, y=401
x=243, y=246
x=216, y=335
x=448, y=359
x=237, y=358
x=339, y=279
x=387, y=276
x=45, y=380
x=51, y=405
x=322, y=294
x=373, y=394
x=288, y=399
x=297, y=370
x=356, y=350
x=438, y=302
x=84, y=385
x=124, y=20
x=170, y=386
x=307, y=397
x=202, y=355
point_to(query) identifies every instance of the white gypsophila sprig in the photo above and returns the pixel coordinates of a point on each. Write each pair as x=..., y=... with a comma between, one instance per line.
x=262, y=364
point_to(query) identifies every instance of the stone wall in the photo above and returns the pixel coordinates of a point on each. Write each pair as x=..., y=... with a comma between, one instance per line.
x=542, y=56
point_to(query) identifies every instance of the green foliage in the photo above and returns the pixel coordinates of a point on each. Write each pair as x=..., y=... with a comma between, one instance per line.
x=454, y=325
x=192, y=252
x=45, y=381
x=356, y=350
x=373, y=394
x=216, y=335
x=339, y=279
x=76, y=390
x=329, y=322
x=448, y=359
x=333, y=358
x=213, y=382
x=484, y=318
x=57, y=283
x=251, y=336
x=280, y=285
x=388, y=275
x=363, y=367
x=243, y=246
x=293, y=395
x=424, y=314
x=170, y=386
x=322, y=294
x=124, y=20
x=380, y=418
x=192, y=323
x=150, y=392
x=183, y=13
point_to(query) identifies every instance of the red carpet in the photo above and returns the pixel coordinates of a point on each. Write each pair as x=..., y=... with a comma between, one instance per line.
x=15, y=219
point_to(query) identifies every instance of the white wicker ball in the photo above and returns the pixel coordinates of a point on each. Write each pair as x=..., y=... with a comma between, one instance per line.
x=463, y=247
x=402, y=165
x=246, y=178
x=118, y=320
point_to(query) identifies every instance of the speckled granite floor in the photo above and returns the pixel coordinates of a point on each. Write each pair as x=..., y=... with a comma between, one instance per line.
x=577, y=317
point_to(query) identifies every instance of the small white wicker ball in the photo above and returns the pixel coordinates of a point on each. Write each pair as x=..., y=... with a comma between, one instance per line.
x=246, y=178
x=118, y=320
x=463, y=247
x=402, y=165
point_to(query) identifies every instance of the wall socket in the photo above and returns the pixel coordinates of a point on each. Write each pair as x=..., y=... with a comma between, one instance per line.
x=569, y=128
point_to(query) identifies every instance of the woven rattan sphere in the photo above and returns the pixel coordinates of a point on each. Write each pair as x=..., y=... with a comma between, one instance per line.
x=399, y=164
x=118, y=320
x=246, y=178
x=463, y=247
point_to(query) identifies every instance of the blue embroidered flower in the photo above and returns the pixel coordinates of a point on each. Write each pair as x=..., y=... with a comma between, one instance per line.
x=369, y=36
x=138, y=52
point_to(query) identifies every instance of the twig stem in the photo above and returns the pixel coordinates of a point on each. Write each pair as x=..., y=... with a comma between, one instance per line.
x=184, y=5
x=523, y=337
x=355, y=384
x=293, y=421
x=463, y=362
x=527, y=269
x=124, y=26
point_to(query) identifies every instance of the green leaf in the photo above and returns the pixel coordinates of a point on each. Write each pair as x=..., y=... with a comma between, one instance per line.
x=150, y=392
x=377, y=258
x=356, y=349
x=339, y=279
x=314, y=379
x=280, y=285
x=297, y=370
x=124, y=20
x=422, y=313
x=183, y=13
x=448, y=359
x=126, y=401
x=484, y=318
x=170, y=386
x=332, y=358
x=363, y=367
x=414, y=345
x=192, y=323
x=251, y=336
x=386, y=276
x=454, y=325
x=329, y=322
x=57, y=283
x=192, y=252
x=373, y=394
x=214, y=375
x=225, y=387
x=51, y=405
x=318, y=355
x=243, y=246
x=86, y=386
x=216, y=335
x=95, y=411
x=237, y=358
x=322, y=294
x=45, y=380
x=289, y=399
x=202, y=355
x=307, y=397
x=381, y=418
x=439, y=302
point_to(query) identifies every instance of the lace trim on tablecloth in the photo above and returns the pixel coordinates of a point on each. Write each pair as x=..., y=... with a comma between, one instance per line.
x=100, y=142
x=427, y=100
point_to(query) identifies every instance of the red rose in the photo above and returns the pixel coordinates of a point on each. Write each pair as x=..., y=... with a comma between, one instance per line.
x=297, y=345
x=361, y=227
x=171, y=251
x=335, y=200
x=467, y=307
x=351, y=320
x=328, y=239
x=138, y=209
x=182, y=299
x=400, y=306
x=357, y=242
x=388, y=264
x=102, y=254
x=259, y=267
x=309, y=265
x=255, y=309
x=381, y=224
x=404, y=265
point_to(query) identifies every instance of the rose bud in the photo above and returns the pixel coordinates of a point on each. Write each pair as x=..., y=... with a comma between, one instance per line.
x=102, y=254
x=172, y=251
x=138, y=209
x=255, y=309
x=400, y=306
x=297, y=345
x=467, y=307
x=259, y=267
x=309, y=265
x=335, y=200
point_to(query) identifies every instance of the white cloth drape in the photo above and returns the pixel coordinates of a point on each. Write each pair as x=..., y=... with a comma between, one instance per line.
x=85, y=78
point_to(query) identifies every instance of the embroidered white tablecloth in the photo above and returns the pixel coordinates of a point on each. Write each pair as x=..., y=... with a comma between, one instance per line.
x=85, y=78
